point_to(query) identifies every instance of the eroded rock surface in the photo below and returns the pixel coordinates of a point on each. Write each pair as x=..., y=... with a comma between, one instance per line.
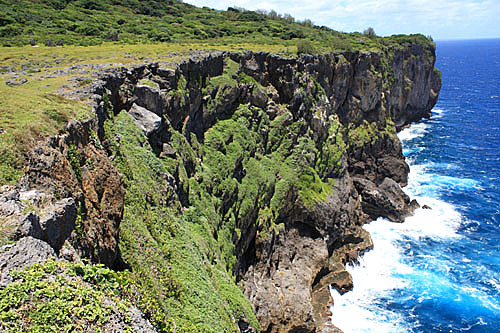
x=25, y=252
x=386, y=200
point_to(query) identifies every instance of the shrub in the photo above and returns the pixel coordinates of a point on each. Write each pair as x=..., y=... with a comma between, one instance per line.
x=11, y=30
x=305, y=47
x=340, y=44
x=88, y=30
x=6, y=19
x=91, y=5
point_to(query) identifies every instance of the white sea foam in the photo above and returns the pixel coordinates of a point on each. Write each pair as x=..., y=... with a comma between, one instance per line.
x=373, y=278
x=437, y=113
x=384, y=270
x=422, y=182
x=415, y=131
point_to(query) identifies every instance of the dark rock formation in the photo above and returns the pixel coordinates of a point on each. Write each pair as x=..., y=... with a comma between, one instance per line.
x=57, y=224
x=74, y=168
x=386, y=200
x=149, y=122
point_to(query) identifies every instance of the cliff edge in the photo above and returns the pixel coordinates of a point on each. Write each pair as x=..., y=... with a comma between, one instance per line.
x=230, y=190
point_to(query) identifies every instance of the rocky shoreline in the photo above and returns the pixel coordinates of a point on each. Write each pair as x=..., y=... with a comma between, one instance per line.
x=348, y=105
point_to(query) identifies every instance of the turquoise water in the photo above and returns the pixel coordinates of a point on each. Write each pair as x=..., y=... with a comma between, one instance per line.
x=440, y=270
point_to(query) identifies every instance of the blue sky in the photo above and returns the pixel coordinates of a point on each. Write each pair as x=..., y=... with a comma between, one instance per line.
x=442, y=19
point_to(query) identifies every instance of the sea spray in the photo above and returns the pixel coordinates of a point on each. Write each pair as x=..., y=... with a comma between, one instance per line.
x=383, y=273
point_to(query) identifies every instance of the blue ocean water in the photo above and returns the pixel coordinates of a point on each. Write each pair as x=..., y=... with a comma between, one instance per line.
x=440, y=270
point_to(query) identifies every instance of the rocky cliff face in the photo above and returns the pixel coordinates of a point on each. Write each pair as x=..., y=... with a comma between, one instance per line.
x=279, y=160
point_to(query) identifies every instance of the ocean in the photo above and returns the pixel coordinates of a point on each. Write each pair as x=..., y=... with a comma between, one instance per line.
x=439, y=271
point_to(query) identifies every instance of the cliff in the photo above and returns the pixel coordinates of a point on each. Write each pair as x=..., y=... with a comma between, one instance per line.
x=228, y=192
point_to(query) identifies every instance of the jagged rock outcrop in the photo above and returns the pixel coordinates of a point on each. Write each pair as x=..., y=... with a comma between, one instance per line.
x=74, y=168
x=25, y=252
x=311, y=155
x=51, y=223
x=386, y=200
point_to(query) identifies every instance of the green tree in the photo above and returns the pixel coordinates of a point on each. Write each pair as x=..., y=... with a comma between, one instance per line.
x=370, y=33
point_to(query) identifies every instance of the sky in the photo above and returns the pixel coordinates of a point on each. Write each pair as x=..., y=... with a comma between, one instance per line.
x=441, y=19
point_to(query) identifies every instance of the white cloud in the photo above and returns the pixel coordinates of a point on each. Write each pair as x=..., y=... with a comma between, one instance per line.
x=443, y=19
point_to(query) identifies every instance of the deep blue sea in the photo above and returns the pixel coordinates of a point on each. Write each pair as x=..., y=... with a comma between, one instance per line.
x=440, y=270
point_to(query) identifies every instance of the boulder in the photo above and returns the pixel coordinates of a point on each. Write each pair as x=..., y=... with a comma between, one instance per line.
x=149, y=98
x=147, y=121
x=25, y=252
x=386, y=200
x=168, y=150
x=10, y=203
x=258, y=97
x=29, y=226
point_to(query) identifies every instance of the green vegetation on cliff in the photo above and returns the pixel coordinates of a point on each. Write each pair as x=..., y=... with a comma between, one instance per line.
x=241, y=171
x=63, y=297
x=235, y=170
x=178, y=275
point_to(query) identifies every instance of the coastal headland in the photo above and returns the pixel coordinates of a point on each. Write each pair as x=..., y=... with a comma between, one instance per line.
x=202, y=188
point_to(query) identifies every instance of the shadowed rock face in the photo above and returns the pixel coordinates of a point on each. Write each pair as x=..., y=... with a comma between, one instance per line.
x=286, y=274
x=74, y=168
x=387, y=200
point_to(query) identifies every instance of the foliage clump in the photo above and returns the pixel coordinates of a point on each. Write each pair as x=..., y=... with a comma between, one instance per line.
x=179, y=277
x=305, y=47
x=60, y=296
x=370, y=33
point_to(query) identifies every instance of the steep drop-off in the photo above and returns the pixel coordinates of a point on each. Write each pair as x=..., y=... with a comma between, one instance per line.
x=231, y=190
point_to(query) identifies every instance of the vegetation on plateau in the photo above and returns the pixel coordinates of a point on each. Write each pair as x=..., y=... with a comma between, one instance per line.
x=90, y=22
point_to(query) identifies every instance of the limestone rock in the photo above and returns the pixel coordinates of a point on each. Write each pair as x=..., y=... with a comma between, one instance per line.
x=168, y=150
x=68, y=252
x=34, y=196
x=136, y=321
x=339, y=279
x=29, y=226
x=58, y=223
x=10, y=203
x=25, y=252
x=258, y=97
x=149, y=98
x=97, y=193
x=348, y=248
x=330, y=328
x=281, y=293
x=147, y=121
